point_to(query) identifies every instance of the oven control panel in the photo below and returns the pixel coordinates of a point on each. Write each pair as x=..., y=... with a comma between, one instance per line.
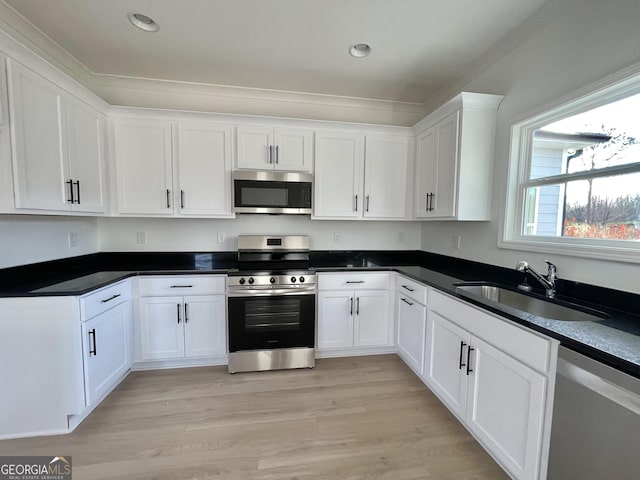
x=275, y=281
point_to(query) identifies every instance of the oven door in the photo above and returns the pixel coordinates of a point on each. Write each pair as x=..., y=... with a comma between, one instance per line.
x=277, y=319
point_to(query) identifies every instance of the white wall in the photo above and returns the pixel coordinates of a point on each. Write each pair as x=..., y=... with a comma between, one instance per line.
x=578, y=42
x=32, y=238
x=182, y=234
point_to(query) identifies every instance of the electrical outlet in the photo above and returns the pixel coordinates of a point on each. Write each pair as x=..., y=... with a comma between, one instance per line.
x=221, y=237
x=73, y=239
x=456, y=242
x=141, y=238
x=336, y=237
x=401, y=237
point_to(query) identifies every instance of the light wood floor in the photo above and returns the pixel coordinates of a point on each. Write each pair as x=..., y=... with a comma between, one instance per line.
x=349, y=418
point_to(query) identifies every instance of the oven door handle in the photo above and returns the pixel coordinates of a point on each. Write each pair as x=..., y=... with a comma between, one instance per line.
x=270, y=292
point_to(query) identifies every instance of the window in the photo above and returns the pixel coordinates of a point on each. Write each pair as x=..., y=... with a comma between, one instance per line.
x=575, y=177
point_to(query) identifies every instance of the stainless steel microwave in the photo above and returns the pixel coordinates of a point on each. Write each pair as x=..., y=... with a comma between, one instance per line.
x=272, y=192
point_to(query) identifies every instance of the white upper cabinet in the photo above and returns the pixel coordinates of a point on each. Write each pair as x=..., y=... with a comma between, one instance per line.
x=266, y=148
x=57, y=145
x=337, y=181
x=454, y=159
x=386, y=168
x=173, y=168
x=204, y=169
x=144, y=166
x=361, y=177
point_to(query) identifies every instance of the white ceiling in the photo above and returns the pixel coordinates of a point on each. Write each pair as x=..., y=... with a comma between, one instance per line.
x=418, y=46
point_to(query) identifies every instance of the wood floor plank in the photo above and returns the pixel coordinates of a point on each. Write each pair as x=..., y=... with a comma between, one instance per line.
x=349, y=418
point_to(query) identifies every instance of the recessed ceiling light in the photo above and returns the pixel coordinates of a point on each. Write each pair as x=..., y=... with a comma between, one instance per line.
x=359, y=50
x=143, y=22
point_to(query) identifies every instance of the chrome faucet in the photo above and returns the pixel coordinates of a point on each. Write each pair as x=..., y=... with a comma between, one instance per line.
x=549, y=282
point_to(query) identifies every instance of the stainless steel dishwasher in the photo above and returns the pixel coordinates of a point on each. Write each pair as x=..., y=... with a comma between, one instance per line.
x=595, y=432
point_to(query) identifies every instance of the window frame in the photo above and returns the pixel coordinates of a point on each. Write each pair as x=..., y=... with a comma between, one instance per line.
x=612, y=88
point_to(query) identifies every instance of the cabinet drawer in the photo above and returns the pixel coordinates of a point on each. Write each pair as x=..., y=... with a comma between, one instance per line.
x=412, y=289
x=525, y=345
x=181, y=285
x=102, y=300
x=353, y=281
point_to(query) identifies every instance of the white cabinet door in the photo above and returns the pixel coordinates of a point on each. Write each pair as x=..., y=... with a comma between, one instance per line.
x=412, y=324
x=505, y=409
x=204, y=169
x=293, y=149
x=255, y=147
x=445, y=369
x=105, y=345
x=160, y=328
x=204, y=325
x=335, y=320
x=41, y=179
x=85, y=141
x=437, y=164
x=386, y=176
x=144, y=166
x=372, y=322
x=339, y=163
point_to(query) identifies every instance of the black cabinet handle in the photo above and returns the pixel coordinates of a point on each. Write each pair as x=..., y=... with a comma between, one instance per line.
x=181, y=286
x=356, y=207
x=277, y=154
x=469, y=350
x=407, y=288
x=178, y=311
x=460, y=363
x=358, y=306
x=186, y=313
x=77, y=184
x=355, y=281
x=426, y=205
x=111, y=298
x=351, y=308
x=92, y=336
x=181, y=198
x=367, y=199
x=430, y=198
x=270, y=154
x=168, y=198
x=70, y=199
x=407, y=301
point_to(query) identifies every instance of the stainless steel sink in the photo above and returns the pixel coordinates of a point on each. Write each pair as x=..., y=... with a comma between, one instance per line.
x=530, y=304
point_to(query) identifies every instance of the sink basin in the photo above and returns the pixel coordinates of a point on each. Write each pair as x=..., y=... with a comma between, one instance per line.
x=528, y=303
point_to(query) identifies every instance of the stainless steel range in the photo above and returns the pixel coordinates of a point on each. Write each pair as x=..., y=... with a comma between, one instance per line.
x=272, y=305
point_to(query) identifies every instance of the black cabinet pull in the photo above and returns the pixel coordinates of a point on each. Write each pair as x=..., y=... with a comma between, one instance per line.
x=70, y=199
x=430, y=198
x=407, y=288
x=351, y=308
x=355, y=281
x=270, y=154
x=426, y=205
x=356, y=207
x=111, y=298
x=181, y=198
x=181, y=286
x=277, y=154
x=92, y=340
x=460, y=363
x=469, y=350
x=77, y=184
x=367, y=199
x=178, y=311
x=186, y=313
x=168, y=198
x=407, y=301
x=358, y=306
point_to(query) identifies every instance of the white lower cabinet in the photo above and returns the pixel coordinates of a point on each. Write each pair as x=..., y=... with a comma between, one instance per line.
x=106, y=352
x=412, y=323
x=352, y=317
x=496, y=378
x=177, y=327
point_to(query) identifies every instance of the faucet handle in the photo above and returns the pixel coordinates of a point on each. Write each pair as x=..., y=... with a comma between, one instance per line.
x=552, y=270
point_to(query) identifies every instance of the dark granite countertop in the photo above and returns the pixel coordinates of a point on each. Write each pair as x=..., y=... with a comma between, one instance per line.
x=614, y=341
